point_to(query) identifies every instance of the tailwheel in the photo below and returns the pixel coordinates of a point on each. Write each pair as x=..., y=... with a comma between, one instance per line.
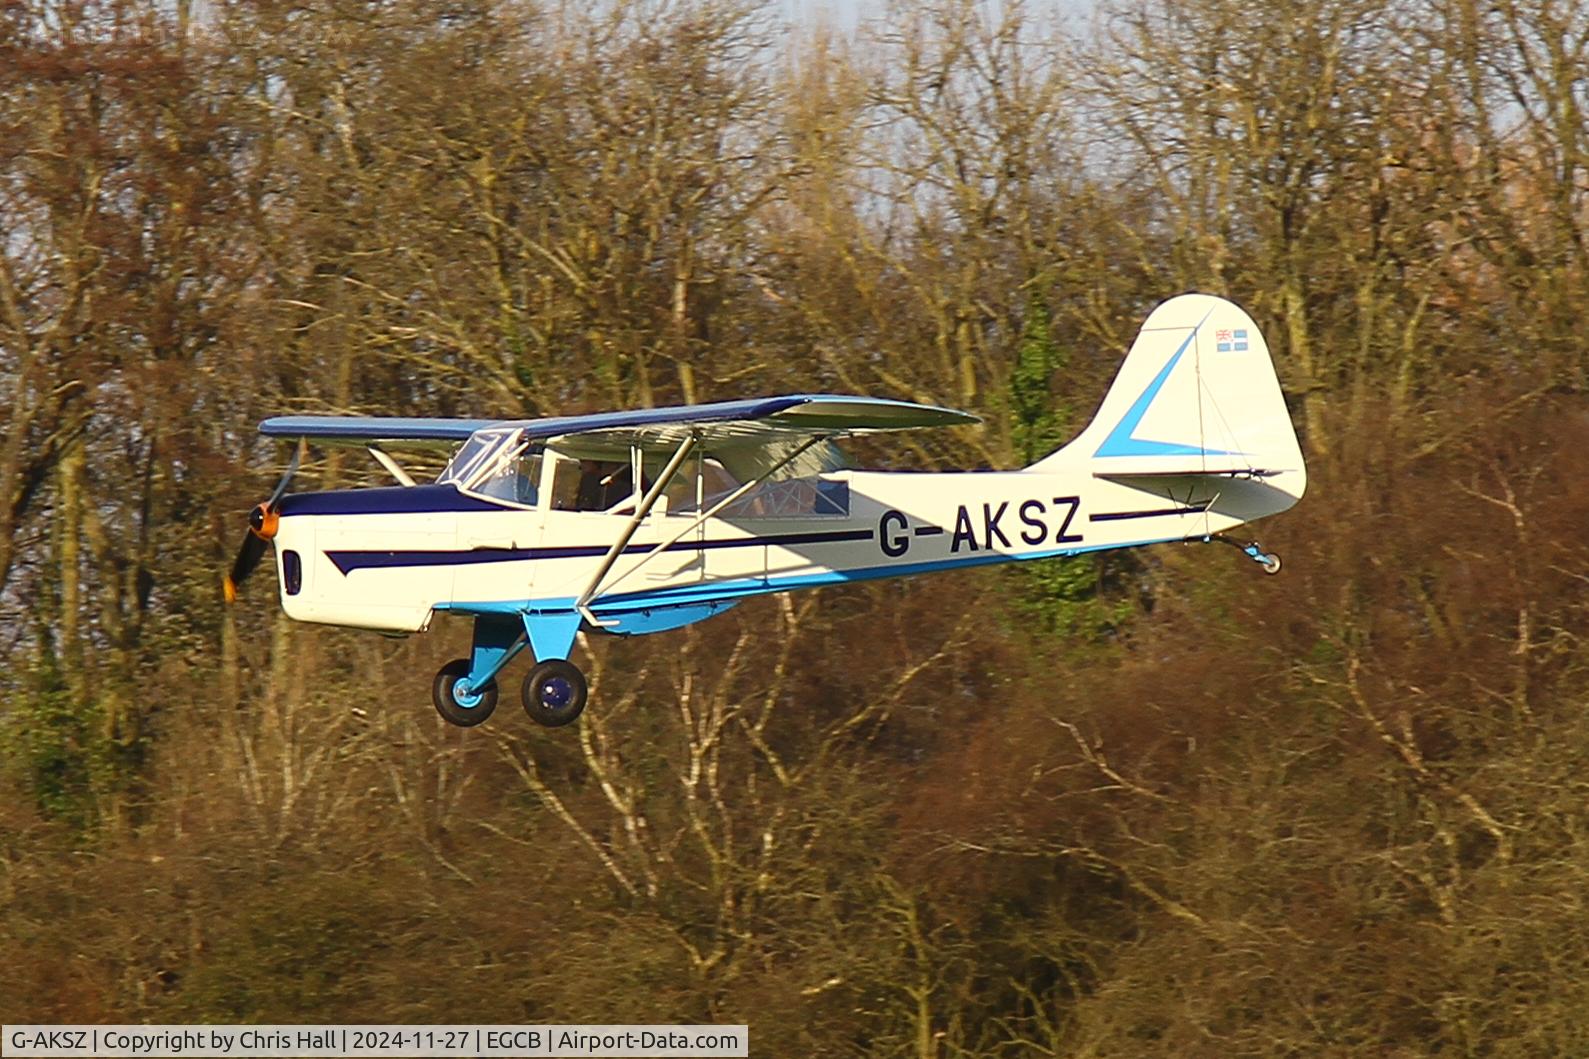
x=554, y=693
x=1268, y=561
x=456, y=701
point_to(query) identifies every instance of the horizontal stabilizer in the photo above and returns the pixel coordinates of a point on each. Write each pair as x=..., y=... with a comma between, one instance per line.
x=1195, y=472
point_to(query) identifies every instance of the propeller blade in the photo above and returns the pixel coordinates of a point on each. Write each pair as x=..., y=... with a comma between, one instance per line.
x=286, y=479
x=262, y=527
x=248, y=557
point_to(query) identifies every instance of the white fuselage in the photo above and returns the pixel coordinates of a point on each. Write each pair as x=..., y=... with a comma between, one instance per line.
x=389, y=559
x=1192, y=439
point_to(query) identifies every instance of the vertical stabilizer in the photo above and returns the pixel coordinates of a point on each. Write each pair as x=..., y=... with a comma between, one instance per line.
x=1196, y=395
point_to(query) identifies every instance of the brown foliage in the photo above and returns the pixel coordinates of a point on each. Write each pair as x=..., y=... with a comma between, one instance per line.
x=1340, y=812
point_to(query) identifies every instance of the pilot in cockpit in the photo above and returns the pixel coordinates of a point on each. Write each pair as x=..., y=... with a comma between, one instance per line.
x=602, y=484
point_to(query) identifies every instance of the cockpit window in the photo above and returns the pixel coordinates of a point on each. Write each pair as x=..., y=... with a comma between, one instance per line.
x=715, y=484
x=804, y=496
x=592, y=485
x=471, y=455
x=516, y=480
x=500, y=464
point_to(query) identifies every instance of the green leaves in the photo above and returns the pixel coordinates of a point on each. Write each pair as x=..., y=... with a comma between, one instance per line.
x=1039, y=420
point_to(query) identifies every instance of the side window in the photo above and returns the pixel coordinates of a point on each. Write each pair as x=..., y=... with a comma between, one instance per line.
x=793, y=498
x=516, y=481
x=802, y=497
x=716, y=483
x=590, y=485
x=565, y=486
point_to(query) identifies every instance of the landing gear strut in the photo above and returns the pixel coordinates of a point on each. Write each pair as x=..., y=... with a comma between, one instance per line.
x=1270, y=561
x=465, y=689
x=554, y=692
x=458, y=702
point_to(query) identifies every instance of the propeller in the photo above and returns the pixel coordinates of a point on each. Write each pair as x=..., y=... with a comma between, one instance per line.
x=262, y=524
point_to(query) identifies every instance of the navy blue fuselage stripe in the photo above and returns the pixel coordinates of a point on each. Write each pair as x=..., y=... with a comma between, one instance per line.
x=388, y=500
x=348, y=561
x=1116, y=516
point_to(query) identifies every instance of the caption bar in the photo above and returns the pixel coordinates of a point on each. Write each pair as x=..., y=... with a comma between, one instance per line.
x=395, y=1041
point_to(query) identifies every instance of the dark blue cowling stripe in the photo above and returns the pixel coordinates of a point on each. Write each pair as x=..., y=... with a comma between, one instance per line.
x=387, y=500
x=348, y=561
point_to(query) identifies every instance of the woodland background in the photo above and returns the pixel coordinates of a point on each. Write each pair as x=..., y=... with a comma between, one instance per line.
x=1154, y=804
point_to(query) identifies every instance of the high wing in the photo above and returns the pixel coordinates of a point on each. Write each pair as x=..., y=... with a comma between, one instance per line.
x=761, y=420
x=364, y=430
x=769, y=424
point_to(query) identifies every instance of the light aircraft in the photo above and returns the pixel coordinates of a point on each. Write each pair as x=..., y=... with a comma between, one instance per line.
x=648, y=520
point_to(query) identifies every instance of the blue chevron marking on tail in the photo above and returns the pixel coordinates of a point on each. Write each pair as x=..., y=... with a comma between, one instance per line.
x=1121, y=440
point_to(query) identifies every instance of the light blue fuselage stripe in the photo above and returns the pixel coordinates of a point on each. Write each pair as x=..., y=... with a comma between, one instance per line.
x=740, y=588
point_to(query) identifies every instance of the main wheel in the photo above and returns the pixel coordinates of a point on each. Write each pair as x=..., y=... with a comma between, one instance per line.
x=466, y=706
x=1271, y=563
x=554, y=693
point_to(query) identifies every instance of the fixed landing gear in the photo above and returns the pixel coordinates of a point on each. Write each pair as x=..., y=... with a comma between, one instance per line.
x=554, y=692
x=458, y=702
x=1270, y=561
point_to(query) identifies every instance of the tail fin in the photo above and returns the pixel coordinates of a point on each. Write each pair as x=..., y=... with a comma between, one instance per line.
x=1196, y=395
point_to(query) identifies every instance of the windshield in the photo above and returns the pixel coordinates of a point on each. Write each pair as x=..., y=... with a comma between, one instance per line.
x=472, y=454
x=499, y=463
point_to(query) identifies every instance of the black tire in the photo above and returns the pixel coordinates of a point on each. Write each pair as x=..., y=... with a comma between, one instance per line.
x=447, y=704
x=554, y=693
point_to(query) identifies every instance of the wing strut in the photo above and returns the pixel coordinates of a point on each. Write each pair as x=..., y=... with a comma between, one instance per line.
x=715, y=508
x=642, y=509
x=384, y=458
